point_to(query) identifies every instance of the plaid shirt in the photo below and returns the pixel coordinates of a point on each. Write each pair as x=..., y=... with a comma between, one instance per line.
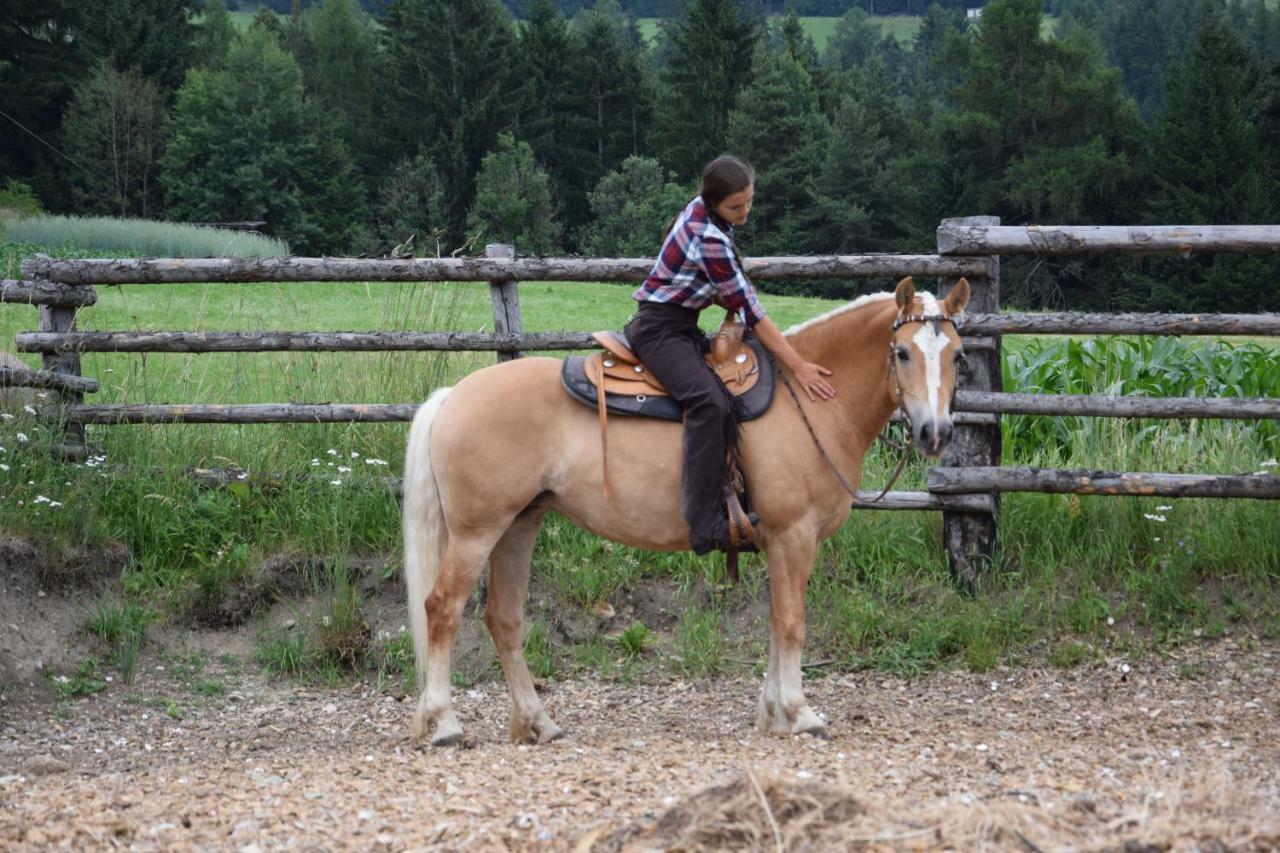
x=697, y=268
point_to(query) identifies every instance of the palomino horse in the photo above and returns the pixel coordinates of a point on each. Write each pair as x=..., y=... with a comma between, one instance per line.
x=487, y=458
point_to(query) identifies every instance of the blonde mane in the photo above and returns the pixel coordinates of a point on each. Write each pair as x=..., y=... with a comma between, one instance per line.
x=852, y=306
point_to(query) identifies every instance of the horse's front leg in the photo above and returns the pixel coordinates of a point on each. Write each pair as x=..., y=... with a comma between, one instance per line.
x=783, y=706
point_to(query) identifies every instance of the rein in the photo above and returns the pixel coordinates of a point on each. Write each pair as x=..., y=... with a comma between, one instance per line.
x=897, y=389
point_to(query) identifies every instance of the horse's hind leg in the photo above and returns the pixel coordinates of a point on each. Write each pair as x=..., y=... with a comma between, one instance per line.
x=459, y=570
x=504, y=614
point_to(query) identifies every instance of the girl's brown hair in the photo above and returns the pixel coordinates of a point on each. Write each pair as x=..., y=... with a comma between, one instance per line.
x=723, y=177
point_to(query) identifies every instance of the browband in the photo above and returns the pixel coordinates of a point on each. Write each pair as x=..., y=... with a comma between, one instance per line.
x=920, y=318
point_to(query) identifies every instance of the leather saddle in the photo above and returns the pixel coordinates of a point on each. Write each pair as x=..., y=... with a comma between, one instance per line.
x=743, y=364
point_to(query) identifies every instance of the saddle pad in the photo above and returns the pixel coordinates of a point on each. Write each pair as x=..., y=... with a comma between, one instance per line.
x=644, y=403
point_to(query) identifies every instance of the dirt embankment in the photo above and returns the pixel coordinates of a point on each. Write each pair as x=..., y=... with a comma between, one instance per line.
x=1181, y=751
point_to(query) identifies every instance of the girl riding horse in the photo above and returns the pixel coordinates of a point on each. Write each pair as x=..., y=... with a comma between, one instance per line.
x=699, y=266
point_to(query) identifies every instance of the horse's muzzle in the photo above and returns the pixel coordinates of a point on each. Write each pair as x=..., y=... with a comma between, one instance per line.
x=932, y=438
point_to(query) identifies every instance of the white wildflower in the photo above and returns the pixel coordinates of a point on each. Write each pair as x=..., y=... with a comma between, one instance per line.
x=1163, y=508
x=1270, y=463
x=40, y=499
x=6, y=416
x=55, y=504
x=29, y=410
x=3, y=467
x=331, y=452
x=335, y=482
x=22, y=437
x=1149, y=517
x=355, y=455
x=369, y=461
x=343, y=469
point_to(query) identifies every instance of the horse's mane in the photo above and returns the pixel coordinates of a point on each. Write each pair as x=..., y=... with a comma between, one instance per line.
x=852, y=306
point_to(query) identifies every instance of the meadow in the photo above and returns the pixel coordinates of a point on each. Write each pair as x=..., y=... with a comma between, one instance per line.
x=1077, y=578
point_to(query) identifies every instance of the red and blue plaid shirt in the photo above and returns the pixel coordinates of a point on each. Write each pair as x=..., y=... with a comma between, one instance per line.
x=697, y=267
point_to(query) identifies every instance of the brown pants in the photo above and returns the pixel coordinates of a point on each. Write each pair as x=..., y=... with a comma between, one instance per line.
x=667, y=339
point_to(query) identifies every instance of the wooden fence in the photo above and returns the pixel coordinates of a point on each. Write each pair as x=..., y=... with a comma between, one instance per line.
x=966, y=487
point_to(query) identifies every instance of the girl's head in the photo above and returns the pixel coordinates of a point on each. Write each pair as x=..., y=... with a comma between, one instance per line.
x=728, y=188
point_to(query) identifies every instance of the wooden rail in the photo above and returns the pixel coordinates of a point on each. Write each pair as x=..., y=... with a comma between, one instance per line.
x=963, y=238
x=1097, y=405
x=45, y=293
x=18, y=377
x=949, y=481
x=213, y=270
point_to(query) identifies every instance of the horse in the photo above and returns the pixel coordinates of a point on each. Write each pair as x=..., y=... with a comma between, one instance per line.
x=487, y=458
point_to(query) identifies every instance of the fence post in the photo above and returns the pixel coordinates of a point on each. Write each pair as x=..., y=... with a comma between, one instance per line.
x=506, y=302
x=970, y=537
x=62, y=318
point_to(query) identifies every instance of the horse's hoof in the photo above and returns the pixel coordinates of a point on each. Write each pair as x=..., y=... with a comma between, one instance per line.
x=447, y=740
x=819, y=732
x=551, y=736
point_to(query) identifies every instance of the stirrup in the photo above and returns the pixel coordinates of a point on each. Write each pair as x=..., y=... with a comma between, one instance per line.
x=742, y=530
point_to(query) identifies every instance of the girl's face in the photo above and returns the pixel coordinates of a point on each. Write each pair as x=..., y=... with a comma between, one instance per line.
x=736, y=207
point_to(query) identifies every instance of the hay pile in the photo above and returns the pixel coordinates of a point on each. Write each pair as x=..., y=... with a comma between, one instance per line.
x=754, y=813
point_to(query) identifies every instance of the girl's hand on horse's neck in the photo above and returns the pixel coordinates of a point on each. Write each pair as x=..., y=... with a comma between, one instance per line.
x=810, y=376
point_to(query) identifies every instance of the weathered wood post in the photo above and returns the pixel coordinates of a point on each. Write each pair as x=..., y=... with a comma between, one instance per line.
x=62, y=318
x=506, y=302
x=970, y=537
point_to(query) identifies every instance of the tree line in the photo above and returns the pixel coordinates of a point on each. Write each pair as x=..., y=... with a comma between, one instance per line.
x=456, y=123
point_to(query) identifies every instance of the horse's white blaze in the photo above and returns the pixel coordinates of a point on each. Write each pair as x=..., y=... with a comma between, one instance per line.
x=931, y=341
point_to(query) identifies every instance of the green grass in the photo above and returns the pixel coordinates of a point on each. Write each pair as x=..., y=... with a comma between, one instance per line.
x=1109, y=574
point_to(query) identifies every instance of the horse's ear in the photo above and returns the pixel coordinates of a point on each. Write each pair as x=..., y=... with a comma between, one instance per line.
x=905, y=294
x=957, y=299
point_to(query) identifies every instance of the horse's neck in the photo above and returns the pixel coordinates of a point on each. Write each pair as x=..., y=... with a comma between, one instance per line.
x=853, y=343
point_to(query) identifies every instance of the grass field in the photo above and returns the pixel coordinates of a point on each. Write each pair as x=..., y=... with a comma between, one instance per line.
x=1077, y=579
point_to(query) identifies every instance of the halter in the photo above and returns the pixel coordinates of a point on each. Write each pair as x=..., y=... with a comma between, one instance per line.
x=937, y=320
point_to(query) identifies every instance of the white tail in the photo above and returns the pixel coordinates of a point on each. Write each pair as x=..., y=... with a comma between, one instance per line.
x=425, y=534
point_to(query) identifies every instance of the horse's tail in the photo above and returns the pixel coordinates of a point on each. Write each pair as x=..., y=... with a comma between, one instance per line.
x=425, y=534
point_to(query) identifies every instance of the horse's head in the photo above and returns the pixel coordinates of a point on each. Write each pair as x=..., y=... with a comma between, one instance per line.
x=924, y=358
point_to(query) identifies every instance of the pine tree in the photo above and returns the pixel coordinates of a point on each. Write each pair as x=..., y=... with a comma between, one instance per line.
x=618, y=84
x=41, y=62
x=1209, y=165
x=449, y=88
x=151, y=37
x=711, y=43
x=513, y=200
x=340, y=64
x=556, y=117
x=213, y=36
x=779, y=128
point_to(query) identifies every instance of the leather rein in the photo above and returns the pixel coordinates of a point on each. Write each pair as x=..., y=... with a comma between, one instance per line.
x=897, y=393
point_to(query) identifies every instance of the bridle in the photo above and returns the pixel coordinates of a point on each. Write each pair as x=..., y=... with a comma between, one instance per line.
x=936, y=320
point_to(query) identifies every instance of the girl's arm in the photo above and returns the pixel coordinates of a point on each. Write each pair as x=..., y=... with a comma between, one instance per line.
x=809, y=375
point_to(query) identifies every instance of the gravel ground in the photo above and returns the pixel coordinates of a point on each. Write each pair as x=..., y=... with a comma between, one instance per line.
x=1179, y=751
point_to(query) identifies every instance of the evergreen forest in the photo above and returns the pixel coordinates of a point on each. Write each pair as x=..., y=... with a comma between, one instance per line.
x=558, y=126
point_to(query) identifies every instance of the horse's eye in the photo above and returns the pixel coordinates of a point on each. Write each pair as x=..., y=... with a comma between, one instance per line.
x=903, y=353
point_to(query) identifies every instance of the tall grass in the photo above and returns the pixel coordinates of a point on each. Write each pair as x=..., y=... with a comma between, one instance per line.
x=140, y=237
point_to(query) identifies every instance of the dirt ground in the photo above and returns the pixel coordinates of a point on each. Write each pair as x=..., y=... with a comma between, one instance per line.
x=1181, y=751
